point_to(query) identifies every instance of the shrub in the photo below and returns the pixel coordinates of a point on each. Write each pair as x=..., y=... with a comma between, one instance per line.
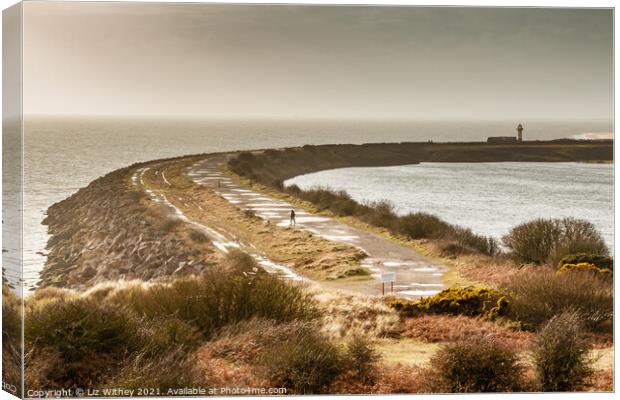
x=560, y=354
x=422, y=225
x=381, y=214
x=238, y=262
x=218, y=299
x=160, y=335
x=456, y=301
x=169, y=225
x=362, y=357
x=86, y=339
x=537, y=296
x=478, y=365
x=601, y=261
x=305, y=363
x=75, y=327
x=585, y=267
x=545, y=240
x=242, y=342
x=172, y=370
x=198, y=237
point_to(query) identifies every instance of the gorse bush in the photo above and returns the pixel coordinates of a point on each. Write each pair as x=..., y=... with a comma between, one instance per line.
x=583, y=267
x=478, y=365
x=560, y=354
x=537, y=296
x=549, y=240
x=456, y=301
x=601, y=261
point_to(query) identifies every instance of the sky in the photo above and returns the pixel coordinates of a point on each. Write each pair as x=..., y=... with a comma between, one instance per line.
x=297, y=61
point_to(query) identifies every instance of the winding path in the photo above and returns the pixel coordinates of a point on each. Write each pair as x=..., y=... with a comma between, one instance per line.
x=415, y=275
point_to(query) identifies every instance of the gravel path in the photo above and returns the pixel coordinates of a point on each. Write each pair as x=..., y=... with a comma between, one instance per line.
x=415, y=275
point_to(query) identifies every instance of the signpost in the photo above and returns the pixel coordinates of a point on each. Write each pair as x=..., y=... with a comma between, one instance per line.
x=387, y=277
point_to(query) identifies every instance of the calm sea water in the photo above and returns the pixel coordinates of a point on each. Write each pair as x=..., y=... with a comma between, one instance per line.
x=63, y=155
x=489, y=198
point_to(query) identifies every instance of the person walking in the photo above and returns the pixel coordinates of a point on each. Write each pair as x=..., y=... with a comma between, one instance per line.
x=292, y=221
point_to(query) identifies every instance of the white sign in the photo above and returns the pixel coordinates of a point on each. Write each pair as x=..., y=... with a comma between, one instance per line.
x=388, y=277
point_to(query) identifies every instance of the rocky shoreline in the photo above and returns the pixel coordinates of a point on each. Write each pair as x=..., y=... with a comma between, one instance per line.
x=110, y=231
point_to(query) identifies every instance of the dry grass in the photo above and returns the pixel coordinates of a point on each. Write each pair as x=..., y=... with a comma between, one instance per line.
x=349, y=315
x=311, y=255
x=406, y=351
x=400, y=378
x=601, y=381
x=443, y=328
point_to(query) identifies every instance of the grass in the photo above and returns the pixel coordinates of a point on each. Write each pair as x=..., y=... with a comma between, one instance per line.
x=406, y=351
x=446, y=328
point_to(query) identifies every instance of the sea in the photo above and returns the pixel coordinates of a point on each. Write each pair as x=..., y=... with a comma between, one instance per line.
x=63, y=154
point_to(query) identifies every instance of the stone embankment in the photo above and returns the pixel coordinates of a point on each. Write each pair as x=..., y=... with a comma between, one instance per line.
x=110, y=230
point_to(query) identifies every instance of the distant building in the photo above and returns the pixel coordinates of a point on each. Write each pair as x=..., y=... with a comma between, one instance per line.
x=520, y=133
x=507, y=139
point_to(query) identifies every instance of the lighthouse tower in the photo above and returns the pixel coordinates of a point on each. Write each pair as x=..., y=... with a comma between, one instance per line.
x=520, y=133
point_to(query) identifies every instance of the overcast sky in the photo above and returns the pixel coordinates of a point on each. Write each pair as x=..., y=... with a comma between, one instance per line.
x=316, y=61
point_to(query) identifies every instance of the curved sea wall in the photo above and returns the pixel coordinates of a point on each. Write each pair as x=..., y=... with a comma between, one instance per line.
x=110, y=230
x=272, y=167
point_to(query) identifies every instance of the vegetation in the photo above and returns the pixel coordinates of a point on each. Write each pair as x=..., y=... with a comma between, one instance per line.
x=139, y=335
x=583, y=267
x=600, y=261
x=478, y=365
x=456, y=301
x=549, y=240
x=293, y=355
x=306, y=363
x=560, y=354
x=362, y=357
x=218, y=299
x=381, y=214
x=536, y=296
x=11, y=339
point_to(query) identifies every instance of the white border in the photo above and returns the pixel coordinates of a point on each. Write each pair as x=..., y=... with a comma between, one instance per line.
x=479, y=3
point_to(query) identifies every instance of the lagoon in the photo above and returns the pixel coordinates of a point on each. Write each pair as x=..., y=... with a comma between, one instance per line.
x=489, y=198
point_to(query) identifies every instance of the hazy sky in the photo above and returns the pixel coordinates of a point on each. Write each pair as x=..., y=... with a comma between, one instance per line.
x=317, y=61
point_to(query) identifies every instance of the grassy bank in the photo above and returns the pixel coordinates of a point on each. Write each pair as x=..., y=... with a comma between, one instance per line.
x=235, y=326
x=310, y=255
